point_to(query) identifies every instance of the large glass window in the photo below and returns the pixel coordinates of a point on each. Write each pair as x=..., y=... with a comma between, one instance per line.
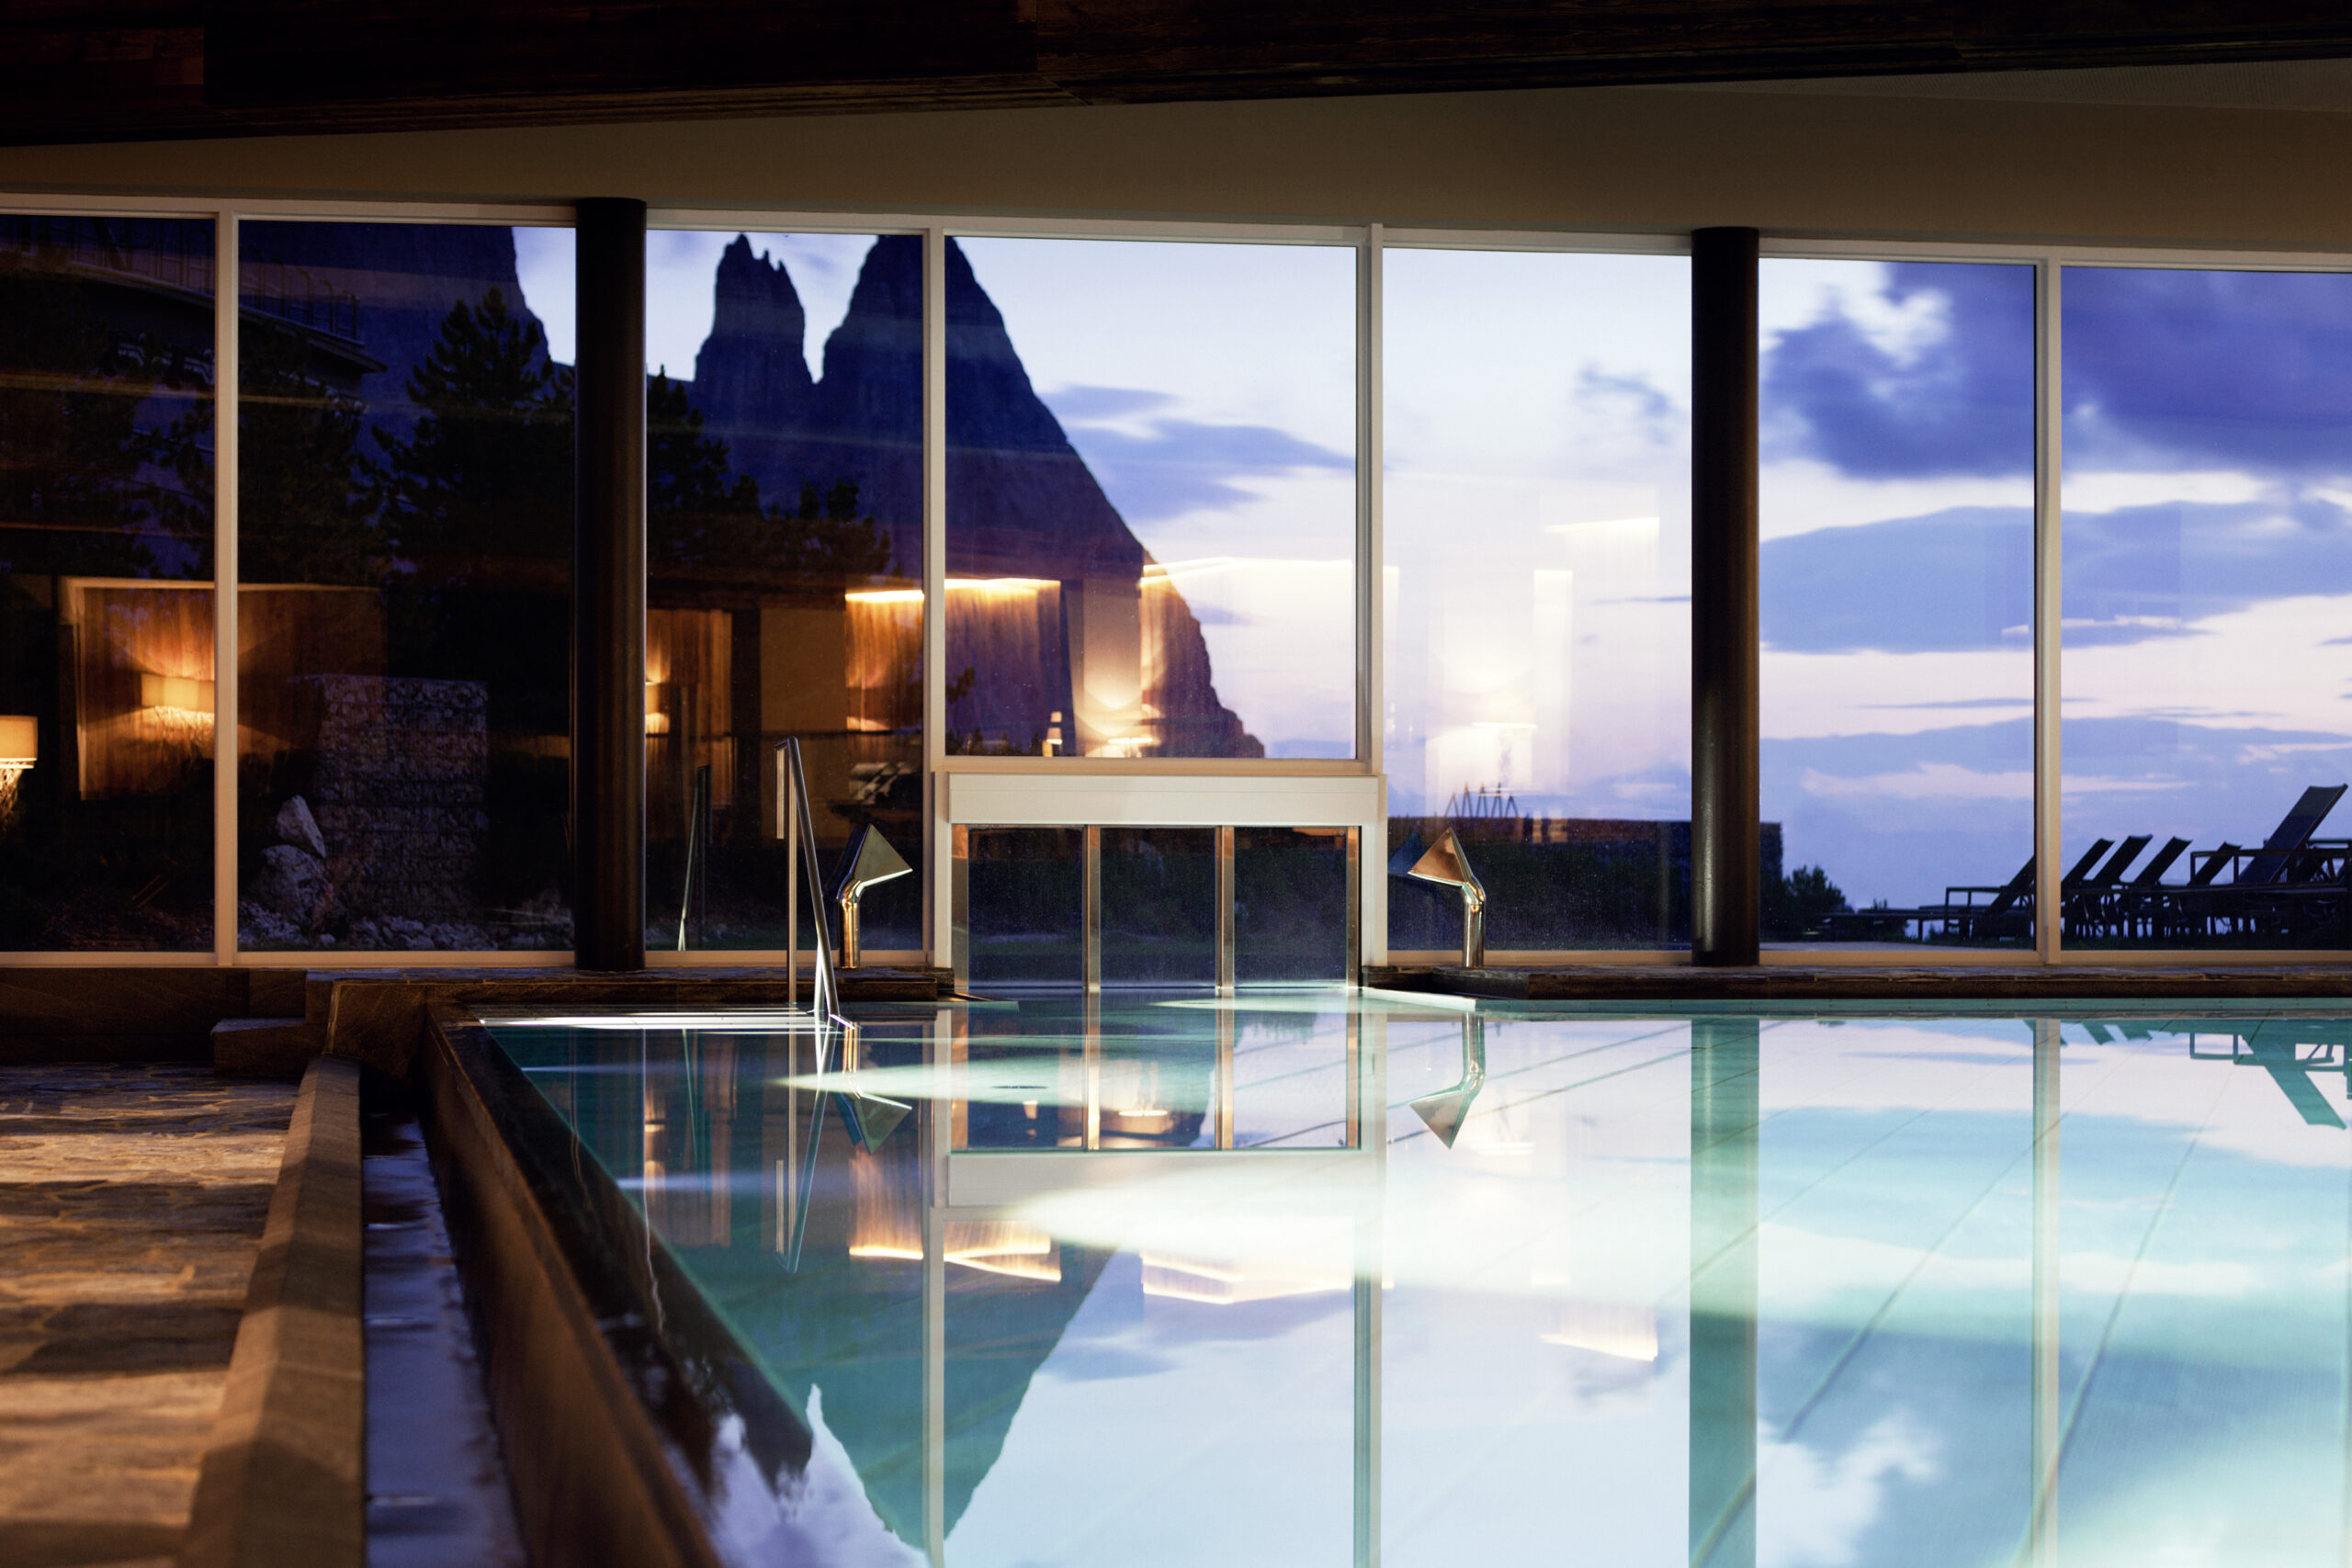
x=1537, y=593
x=785, y=554
x=1897, y=598
x=2207, y=581
x=404, y=561
x=1151, y=504
x=106, y=583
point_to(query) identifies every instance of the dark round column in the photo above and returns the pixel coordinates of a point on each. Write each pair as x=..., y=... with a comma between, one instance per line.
x=608, y=591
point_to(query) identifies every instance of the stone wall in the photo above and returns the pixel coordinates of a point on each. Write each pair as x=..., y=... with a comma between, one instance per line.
x=400, y=791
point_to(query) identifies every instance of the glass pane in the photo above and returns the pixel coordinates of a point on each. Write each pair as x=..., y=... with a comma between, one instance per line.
x=1290, y=904
x=106, y=585
x=1159, y=906
x=2207, y=579
x=1897, y=597
x=405, y=559
x=1024, y=910
x=1151, y=505
x=1537, y=593
x=785, y=558
x=1291, y=1056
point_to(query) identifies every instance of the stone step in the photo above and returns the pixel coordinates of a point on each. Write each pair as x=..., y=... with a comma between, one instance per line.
x=264, y=1047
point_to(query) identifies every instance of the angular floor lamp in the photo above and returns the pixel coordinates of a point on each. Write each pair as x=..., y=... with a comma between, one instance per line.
x=1444, y=863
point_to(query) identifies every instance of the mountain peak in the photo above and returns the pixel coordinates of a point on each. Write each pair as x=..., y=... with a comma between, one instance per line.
x=752, y=357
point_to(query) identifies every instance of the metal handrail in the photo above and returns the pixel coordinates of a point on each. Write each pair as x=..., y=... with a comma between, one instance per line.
x=797, y=828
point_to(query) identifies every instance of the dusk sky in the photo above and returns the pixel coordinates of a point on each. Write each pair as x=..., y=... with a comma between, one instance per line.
x=2207, y=573
x=1537, y=521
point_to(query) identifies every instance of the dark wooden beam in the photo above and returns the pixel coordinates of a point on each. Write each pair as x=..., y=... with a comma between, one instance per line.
x=1727, y=872
x=608, y=590
x=81, y=70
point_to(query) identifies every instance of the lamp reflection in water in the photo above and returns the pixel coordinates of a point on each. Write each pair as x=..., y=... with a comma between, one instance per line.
x=888, y=1226
x=1445, y=1111
x=870, y=861
x=1445, y=863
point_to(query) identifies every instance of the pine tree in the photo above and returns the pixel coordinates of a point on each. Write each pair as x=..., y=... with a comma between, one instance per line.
x=488, y=473
x=824, y=535
x=703, y=518
x=302, y=513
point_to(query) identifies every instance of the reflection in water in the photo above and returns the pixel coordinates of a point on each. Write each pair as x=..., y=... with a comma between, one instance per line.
x=1725, y=1143
x=1714, y=1289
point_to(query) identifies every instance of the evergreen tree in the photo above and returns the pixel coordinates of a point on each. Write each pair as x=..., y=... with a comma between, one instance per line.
x=703, y=518
x=303, y=515
x=488, y=473
x=824, y=535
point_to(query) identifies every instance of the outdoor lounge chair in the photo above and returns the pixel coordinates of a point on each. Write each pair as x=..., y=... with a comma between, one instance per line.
x=2277, y=890
x=2278, y=850
x=2094, y=908
x=2142, y=900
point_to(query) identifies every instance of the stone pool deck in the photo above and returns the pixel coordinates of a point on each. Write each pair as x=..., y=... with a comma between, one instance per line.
x=133, y=1199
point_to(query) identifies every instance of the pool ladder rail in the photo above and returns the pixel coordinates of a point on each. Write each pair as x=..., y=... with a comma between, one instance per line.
x=869, y=1119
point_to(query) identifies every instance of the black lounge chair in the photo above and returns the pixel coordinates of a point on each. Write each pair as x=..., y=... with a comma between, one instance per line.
x=2141, y=903
x=2112, y=871
x=2294, y=829
x=2153, y=872
x=1988, y=921
x=2287, y=890
x=2203, y=875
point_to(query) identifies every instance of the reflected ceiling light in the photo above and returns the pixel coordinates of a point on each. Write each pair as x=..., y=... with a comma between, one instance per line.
x=19, y=748
x=1444, y=1112
x=19, y=740
x=1445, y=863
x=184, y=693
x=869, y=859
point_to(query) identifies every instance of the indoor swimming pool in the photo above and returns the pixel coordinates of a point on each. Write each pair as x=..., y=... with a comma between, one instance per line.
x=1312, y=1276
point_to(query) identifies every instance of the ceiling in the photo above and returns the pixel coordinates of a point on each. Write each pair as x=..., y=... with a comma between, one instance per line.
x=111, y=70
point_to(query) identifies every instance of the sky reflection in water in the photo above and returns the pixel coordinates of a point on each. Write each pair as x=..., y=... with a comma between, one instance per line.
x=1171, y=1368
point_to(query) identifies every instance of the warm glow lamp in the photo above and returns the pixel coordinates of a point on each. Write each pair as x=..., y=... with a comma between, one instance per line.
x=19, y=741
x=185, y=693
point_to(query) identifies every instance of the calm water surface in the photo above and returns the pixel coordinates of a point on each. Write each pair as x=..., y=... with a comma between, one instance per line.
x=1167, y=1280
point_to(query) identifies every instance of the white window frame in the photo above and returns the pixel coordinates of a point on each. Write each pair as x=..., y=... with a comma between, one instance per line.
x=1257, y=787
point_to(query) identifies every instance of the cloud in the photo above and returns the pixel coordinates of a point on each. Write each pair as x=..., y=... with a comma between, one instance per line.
x=1155, y=467
x=2165, y=370
x=1960, y=402
x=1816, y=1508
x=1949, y=582
x=1928, y=781
x=2146, y=571
x=1083, y=404
x=2250, y=370
x=1962, y=579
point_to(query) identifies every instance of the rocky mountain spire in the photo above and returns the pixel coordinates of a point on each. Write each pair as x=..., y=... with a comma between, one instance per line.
x=753, y=359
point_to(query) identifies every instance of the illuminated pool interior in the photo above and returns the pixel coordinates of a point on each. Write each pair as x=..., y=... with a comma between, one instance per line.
x=1164, y=1278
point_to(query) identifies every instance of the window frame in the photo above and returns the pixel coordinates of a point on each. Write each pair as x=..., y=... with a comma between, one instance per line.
x=1369, y=240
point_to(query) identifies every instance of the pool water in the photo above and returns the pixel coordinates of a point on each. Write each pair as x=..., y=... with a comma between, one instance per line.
x=1158, y=1279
